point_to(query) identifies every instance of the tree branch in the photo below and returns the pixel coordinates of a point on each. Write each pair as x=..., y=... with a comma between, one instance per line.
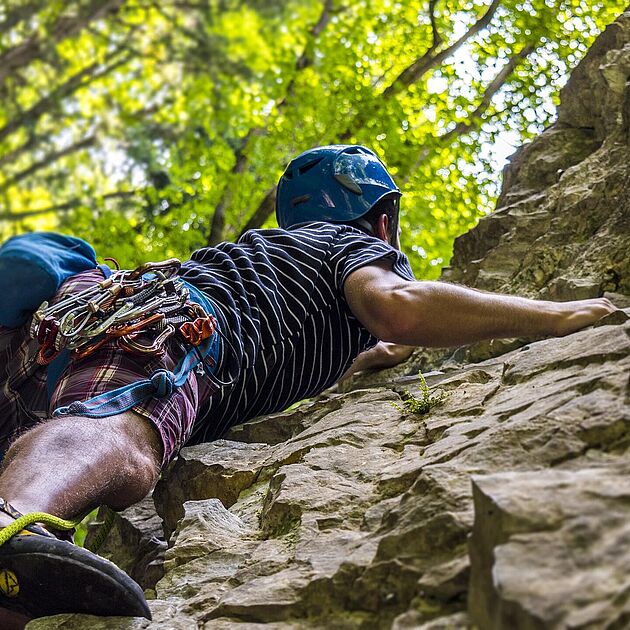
x=11, y=156
x=493, y=87
x=65, y=26
x=302, y=62
x=31, y=115
x=265, y=208
x=18, y=15
x=437, y=39
x=473, y=119
x=47, y=160
x=18, y=215
x=417, y=69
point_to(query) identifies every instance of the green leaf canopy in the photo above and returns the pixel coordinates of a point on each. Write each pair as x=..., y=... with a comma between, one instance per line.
x=153, y=128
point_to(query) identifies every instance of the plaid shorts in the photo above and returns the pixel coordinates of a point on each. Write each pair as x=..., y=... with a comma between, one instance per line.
x=25, y=400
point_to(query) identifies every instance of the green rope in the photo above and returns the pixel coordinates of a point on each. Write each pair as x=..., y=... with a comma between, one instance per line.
x=35, y=517
x=103, y=532
x=22, y=522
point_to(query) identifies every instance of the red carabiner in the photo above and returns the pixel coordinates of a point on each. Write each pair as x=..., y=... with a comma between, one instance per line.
x=47, y=331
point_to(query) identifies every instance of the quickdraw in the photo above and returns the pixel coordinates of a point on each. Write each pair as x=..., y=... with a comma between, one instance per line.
x=139, y=310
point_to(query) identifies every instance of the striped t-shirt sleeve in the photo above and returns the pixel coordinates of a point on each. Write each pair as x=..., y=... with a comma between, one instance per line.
x=354, y=250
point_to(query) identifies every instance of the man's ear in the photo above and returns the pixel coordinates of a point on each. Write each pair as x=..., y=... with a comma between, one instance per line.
x=382, y=228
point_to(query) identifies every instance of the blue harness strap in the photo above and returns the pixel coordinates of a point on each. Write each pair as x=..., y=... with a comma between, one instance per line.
x=161, y=384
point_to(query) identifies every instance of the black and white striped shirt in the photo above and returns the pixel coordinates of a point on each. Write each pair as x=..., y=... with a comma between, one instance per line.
x=280, y=301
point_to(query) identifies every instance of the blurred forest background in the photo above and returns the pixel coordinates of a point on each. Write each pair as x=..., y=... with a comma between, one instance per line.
x=154, y=128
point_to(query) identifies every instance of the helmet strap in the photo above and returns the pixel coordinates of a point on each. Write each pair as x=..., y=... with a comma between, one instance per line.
x=393, y=228
x=365, y=224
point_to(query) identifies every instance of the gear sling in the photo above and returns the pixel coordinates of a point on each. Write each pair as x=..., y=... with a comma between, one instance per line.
x=125, y=307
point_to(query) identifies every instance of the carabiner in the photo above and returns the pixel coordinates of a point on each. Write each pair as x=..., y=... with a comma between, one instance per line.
x=172, y=264
x=129, y=343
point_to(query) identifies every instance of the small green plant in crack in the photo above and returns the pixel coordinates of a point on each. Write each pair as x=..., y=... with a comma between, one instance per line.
x=420, y=403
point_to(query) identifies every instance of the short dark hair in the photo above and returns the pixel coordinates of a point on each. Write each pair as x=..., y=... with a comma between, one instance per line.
x=389, y=206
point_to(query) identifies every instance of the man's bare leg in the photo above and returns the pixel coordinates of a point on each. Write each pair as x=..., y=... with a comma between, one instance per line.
x=70, y=465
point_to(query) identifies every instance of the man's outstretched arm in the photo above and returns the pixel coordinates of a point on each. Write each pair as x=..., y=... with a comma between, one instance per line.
x=437, y=314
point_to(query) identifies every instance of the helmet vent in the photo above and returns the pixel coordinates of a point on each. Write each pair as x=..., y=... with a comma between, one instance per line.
x=308, y=166
x=298, y=200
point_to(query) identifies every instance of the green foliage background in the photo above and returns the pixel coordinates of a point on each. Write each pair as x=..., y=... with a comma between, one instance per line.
x=154, y=128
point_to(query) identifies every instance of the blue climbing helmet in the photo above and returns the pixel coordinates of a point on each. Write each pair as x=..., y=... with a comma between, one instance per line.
x=337, y=183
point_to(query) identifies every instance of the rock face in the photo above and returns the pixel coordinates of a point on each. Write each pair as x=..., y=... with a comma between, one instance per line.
x=547, y=548
x=506, y=506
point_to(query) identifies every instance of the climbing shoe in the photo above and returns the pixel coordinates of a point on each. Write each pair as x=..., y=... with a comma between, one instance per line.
x=41, y=575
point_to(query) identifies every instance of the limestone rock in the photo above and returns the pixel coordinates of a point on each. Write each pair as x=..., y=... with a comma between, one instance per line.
x=135, y=542
x=220, y=470
x=549, y=549
x=280, y=427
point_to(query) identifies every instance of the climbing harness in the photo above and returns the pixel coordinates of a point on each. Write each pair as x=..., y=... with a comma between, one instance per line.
x=140, y=311
x=148, y=301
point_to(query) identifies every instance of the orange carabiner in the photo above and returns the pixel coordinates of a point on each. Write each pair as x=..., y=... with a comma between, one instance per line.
x=138, y=326
x=198, y=330
x=156, y=347
x=86, y=351
x=45, y=356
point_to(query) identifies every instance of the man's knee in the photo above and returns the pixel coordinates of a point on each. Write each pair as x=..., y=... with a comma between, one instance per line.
x=142, y=448
x=129, y=436
x=141, y=432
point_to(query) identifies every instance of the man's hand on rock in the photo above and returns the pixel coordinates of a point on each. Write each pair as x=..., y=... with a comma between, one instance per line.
x=576, y=315
x=382, y=355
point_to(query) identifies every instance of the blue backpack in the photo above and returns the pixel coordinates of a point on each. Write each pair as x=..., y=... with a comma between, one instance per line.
x=32, y=268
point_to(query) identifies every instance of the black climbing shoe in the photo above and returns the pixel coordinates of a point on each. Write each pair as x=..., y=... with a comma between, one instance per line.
x=42, y=576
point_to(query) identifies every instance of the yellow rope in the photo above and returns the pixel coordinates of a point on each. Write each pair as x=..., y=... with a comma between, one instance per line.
x=99, y=539
x=35, y=517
